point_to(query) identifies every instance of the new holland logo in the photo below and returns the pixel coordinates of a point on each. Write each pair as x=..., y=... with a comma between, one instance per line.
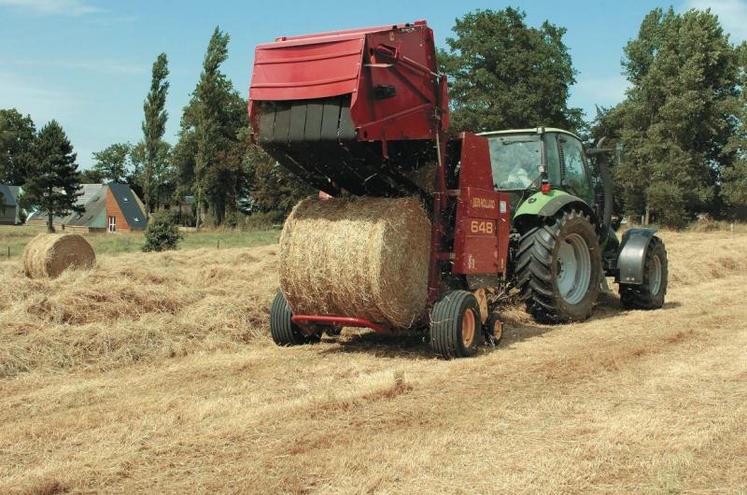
x=483, y=203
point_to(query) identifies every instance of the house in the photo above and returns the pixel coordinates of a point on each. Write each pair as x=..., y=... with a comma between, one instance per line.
x=107, y=208
x=10, y=210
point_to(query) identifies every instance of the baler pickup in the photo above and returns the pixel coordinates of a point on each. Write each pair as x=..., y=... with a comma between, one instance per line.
x=355, y=110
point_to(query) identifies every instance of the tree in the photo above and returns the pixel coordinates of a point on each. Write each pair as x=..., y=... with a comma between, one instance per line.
x=734, y=174
x=17, y=135
x=162, y=175
x=53, y=185
x=113, y=162
x=154, y=126
x=678, y=115
x=91, y=176
x=208, y=95
x=213, y=138
x=504, y=74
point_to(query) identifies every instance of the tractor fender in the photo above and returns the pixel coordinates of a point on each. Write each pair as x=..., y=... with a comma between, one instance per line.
x=548, y=204
x=631, y=258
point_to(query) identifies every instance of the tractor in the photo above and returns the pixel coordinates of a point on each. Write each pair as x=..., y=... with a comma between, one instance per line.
x=365, y=112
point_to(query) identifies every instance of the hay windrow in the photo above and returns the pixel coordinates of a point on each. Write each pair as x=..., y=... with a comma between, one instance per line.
x=362, y=257
x=48, y=255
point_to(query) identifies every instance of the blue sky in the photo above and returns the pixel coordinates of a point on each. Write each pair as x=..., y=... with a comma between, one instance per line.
x=87, y=62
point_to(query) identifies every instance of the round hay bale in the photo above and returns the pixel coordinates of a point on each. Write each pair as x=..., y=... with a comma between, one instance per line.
x=362, y=257
x=48, y=255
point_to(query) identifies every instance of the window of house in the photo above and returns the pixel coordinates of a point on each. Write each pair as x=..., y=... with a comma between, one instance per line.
x=112, y=224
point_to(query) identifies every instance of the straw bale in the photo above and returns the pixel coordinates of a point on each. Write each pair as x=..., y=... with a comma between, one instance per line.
x=362, y=257
x=48, y=255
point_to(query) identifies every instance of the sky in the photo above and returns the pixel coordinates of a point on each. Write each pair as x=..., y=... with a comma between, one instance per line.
x=87, y=63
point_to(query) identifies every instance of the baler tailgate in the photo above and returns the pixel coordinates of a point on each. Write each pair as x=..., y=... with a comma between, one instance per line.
x=306, y=71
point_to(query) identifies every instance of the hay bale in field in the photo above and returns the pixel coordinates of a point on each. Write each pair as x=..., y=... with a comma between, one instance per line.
x=48, y=255
x=363, y=257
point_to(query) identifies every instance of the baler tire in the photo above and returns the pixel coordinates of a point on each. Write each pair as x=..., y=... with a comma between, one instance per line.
x=448, y=324
x=539, y=271
x=283, y=331
x=645, y=296
x=490, y=326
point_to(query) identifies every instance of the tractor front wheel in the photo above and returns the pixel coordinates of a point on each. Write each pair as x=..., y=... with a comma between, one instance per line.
x=456, y=329
x=558, y=268
x=282, y=329
x=650, y=294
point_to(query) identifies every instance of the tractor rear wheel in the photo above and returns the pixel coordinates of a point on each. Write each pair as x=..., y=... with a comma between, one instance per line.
x=558, y=268
x=283, y=331
x=456, y=329
x=650, y=294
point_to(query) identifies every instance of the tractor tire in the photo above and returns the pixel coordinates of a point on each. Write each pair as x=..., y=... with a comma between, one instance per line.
x=283, y=331
x=558, y=268
x=650, y=294
x=455, y=325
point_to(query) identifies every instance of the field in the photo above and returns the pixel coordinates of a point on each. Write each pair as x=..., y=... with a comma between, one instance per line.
x=154, y=373
x=14, y=238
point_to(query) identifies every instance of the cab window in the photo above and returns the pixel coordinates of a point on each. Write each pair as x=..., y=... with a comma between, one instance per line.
x=575, y=176
x=553, y=158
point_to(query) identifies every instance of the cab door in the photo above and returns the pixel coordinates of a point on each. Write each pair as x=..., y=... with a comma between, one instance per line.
x=575, y=175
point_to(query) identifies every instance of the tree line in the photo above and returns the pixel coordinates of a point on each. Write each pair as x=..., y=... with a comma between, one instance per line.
x=681, y=125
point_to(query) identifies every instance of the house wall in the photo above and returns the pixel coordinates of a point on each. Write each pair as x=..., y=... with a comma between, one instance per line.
x=8, y=215
x=112, y=210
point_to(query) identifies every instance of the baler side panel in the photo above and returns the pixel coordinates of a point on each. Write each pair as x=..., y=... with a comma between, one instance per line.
x=483, y=218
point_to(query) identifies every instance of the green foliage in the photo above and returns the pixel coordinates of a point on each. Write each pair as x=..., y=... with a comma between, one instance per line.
x=678, y=115
x=274, y=189
x=504, y=74
x=214, y=137
x=17, y=136
x=162, y=180
x=91, y=176
x=154, y=127
x=53, y=184
x=734, y=174
x=162, y=233
x=113, y=163
x=668, y=202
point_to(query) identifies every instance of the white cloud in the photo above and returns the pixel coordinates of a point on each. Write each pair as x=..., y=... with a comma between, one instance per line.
x=74, y=8
x=731, y=13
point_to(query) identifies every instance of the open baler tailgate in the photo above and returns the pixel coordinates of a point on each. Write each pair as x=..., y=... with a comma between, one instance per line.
x=297, y=70
x=353, y=110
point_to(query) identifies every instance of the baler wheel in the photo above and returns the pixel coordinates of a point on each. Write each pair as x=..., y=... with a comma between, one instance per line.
x=283, y=331
x=494, y=328
x=455, y=325
x=650, y=294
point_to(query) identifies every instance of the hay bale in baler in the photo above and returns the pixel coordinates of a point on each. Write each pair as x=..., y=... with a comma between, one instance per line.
x=48, y=255
x=362, y=257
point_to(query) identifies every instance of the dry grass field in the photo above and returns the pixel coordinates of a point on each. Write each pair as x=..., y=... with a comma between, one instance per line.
x=154, y=373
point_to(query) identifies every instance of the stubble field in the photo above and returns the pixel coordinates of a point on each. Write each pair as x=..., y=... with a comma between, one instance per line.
x=155, y=373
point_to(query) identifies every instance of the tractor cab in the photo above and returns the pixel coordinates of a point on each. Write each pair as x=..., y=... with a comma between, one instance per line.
x=523, y=160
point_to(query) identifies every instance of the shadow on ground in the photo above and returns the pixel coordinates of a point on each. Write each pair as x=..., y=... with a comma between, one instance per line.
x=518, y=327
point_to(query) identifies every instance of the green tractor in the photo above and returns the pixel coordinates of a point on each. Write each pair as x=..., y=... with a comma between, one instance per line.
x=563, y=241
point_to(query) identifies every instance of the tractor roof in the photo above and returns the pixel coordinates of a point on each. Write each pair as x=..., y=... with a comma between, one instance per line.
x=534, y=130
